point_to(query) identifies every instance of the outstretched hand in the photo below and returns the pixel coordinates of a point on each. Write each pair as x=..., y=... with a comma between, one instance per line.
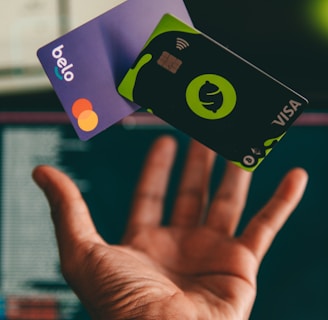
x=196, y=268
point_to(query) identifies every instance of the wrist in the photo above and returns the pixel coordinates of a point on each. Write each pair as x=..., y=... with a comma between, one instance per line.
x=167, y=308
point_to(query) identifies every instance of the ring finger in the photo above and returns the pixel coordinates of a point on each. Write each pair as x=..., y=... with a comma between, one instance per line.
x=229, y=201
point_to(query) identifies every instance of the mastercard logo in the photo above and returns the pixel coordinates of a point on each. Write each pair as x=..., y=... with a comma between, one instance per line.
x=87, y=118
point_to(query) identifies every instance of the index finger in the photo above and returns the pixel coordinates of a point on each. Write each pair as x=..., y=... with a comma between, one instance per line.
x=148, y=201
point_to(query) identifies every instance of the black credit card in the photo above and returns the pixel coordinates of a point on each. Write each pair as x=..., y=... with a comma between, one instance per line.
x=210, y=93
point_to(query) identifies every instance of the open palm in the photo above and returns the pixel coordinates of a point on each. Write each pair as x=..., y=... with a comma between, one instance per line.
x=194, y=269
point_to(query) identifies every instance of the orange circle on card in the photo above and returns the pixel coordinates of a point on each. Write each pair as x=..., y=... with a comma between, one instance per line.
x=87, y=120
x=80, y=106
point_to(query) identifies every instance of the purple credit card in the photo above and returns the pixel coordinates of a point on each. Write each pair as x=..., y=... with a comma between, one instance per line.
x=86, y=65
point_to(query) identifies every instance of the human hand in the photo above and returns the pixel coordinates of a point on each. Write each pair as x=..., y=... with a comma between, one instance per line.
x=196, y=268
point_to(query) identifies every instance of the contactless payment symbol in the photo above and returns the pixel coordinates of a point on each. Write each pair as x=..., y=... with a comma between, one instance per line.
x=211, y=96
x=87, y=118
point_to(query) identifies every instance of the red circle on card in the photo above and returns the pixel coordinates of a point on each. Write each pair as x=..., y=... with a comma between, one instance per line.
x=80, y=106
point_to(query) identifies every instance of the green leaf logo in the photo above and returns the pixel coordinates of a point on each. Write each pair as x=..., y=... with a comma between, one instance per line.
x=211, y=96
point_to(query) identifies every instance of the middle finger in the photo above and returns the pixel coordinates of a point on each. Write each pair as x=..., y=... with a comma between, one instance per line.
x=193, y=190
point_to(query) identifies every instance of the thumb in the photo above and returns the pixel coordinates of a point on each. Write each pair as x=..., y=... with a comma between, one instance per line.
x=70, y=214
